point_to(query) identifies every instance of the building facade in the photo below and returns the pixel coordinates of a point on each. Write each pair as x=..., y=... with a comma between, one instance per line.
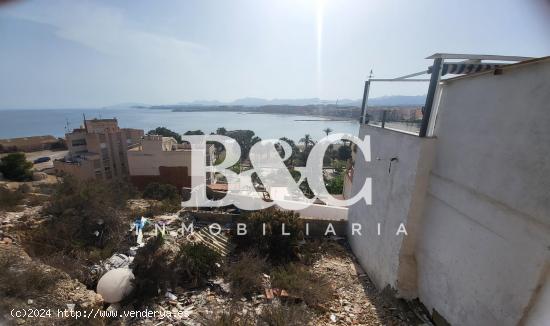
x=98, y=150
x=161, y=159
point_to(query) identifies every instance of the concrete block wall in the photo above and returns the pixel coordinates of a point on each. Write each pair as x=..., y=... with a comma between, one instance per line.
x=475, y=200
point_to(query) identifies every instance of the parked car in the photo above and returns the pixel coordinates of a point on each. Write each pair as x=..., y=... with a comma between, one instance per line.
x=42, y=160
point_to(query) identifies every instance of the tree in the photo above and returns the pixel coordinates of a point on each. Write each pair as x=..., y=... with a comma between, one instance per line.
x=327, y=131
x=165, y=132
x=15, y=167
x=344, y=153
x=194, y=132
x=295, y=150
x=221, y=131
x=307, y=141
x=246, y=139
x=308, y=145
x=335, y=185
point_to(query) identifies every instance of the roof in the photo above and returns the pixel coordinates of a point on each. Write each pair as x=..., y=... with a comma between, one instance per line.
x=501, y=68
x=477, y=57
x=218, y=186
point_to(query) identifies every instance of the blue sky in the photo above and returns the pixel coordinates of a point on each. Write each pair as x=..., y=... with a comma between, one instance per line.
x=98, y=53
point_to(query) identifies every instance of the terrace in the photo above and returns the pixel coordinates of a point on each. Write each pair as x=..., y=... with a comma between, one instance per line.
x=465, y=186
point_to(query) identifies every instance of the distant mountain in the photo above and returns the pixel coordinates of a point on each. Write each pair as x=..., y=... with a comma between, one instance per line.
x=394, y=100
x=126, y=105
x=397, y=100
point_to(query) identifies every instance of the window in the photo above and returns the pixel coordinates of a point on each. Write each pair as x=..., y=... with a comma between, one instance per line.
x=79, y=142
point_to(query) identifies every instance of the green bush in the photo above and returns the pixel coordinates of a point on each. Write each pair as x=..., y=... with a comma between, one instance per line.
x=335, y=185
x=195, y=263
x=152, y=269
x=273, y=245
x=15, y=167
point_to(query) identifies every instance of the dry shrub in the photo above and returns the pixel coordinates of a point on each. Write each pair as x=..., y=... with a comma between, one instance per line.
x=10, y=199
x=230, y=318
x=312, y=288
x=156, y=266
x=278, y=248
x=22, y=280
x=245, y=275
x=314, y=249
x=86, y=224
x=273, y=315
x=284, y=315
x=79, y=209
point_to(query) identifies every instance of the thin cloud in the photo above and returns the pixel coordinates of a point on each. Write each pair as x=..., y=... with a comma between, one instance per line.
x=106, y=30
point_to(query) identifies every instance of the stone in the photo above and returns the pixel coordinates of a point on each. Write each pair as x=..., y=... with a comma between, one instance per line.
x=38, y=176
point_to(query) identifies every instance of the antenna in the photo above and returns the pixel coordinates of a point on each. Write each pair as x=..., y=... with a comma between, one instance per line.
x=370, y=75
x=84, y=117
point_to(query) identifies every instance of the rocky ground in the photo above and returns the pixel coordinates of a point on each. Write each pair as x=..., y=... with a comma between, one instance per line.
x=355, y=301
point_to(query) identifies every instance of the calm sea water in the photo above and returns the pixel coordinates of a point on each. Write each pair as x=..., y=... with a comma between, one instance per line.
x=22, y=123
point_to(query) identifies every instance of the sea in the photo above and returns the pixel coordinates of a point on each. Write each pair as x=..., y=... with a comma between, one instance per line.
x=56, y=122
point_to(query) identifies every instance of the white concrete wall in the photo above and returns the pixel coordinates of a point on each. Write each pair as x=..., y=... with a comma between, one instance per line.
x=396, y=198
x=475, y=200
x=324, y=212
x=483, y=252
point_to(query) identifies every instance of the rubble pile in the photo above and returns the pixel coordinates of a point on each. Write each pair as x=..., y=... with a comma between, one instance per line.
x=357, y=302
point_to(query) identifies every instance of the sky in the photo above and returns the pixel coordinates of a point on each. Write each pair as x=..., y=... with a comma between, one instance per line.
x=85, y=54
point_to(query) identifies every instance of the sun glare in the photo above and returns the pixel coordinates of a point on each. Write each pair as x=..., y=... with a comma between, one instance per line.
x=320, y=6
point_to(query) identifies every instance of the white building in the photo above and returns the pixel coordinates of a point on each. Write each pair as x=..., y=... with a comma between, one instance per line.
x=163, y=160
x=474, y=195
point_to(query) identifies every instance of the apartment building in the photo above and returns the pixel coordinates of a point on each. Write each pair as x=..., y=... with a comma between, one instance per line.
x=162, y=159
x=98, y=150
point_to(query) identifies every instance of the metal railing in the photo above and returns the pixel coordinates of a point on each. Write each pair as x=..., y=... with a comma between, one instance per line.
x=408, y=120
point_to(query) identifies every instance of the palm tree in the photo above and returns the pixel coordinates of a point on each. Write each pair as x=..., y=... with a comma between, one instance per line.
x=294, y=150
x=308, y=144
x=328, y=131
x=307, y=140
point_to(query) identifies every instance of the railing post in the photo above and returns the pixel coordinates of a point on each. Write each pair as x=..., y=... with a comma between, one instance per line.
x=365, y=99
x=384, y=118
x=434, y=80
